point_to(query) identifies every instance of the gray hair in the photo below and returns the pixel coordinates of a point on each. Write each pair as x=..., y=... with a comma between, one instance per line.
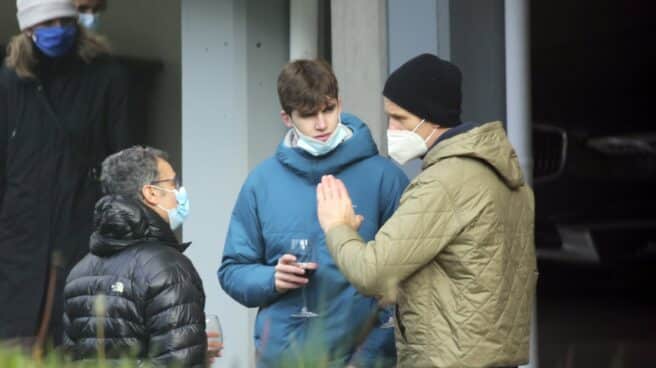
x=127, y=171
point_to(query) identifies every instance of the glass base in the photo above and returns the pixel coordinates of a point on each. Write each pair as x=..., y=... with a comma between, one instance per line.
x=305, y=313
x=388, y=324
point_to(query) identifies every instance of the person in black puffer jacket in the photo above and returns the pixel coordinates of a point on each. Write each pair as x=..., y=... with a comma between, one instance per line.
x=135, y=294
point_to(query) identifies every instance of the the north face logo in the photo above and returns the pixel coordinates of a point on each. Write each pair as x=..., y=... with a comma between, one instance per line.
x=118, y=287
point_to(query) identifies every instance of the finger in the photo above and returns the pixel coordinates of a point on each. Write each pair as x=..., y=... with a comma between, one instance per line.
x=290, y=269
x=327, y=189
x=343, y=192
x=212, y=334
x=291, y=279
x=287, y=259
x=215, y=345
x=334, y=194
x=323, y=192
x=310, y=265
x=287, y=285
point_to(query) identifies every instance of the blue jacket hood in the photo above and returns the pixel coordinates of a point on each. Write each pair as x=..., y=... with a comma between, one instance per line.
x=360, y=146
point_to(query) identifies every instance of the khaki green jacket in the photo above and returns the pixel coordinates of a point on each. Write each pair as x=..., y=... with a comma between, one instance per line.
x=458, y=256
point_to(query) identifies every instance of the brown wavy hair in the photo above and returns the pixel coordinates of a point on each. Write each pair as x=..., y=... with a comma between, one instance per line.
x=306, y=86
x=21, y=55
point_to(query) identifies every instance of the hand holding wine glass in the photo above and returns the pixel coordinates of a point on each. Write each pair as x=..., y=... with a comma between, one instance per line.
x=305, y=256
x=214, y=337
x=289, y=274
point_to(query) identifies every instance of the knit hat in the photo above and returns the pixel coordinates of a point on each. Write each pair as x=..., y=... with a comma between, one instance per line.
x=32, y=12
x=428, y=87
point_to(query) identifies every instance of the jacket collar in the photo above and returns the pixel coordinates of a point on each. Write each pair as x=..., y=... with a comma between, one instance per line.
x=485, y=142
x=358, y=147
x=122, y=222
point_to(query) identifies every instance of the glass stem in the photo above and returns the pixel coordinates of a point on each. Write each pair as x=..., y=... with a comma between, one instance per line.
x=305, y=308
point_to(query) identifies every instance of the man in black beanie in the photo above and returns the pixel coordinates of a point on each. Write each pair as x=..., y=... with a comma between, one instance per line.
x=457, y=257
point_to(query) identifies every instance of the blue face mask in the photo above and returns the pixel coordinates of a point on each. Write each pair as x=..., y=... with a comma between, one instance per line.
x=178, y=214
x=55, y=41
x=89, y=21
x=316, y=147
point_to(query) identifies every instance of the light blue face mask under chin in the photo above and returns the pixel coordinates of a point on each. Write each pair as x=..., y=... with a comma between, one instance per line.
x=316, y=147
x=180, y=213
x=89, y=21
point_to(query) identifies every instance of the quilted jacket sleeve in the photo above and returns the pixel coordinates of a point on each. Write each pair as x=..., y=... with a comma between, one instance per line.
x=174, y=313
x=243, y=273
x=425, y=222
x=379, y=343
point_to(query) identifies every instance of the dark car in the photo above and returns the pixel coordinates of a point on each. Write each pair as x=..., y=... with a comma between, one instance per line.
x=595, y=197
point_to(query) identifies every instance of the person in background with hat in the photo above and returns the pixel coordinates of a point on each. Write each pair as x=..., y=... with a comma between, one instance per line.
x=458, y=254
x=89, y=13
x=63, y=109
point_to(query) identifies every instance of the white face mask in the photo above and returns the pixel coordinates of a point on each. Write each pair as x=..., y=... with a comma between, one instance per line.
x=404, y=145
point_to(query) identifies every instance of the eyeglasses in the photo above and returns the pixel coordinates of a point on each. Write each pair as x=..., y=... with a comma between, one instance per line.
x=175, y=180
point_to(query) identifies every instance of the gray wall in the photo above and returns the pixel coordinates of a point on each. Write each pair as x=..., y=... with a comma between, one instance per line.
x=150, y=29
x=472, y=37
x=359, y=58
x=267, y=52
x=8, y=23
x=478, y=48
x=232, y=53
x=411, y=30
x=421, y=28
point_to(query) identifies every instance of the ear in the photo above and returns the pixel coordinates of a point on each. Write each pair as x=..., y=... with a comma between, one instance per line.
x=149, y=195
x=286, y=119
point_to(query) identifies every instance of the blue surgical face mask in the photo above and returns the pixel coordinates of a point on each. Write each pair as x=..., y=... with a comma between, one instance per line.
x=178, y=214
x=316, y=147
x=89, y=21
x=55, y=41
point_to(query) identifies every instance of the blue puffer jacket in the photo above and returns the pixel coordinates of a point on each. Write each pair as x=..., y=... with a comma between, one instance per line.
x=278, y=203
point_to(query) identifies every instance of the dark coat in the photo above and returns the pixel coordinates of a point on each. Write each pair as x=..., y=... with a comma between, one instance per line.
x=54, y=132
x=152, y=296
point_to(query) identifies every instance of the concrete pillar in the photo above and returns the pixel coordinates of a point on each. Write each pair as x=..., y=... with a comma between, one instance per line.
x=232, y=51
x=421, y=28
x=303, y=29
x=214, y=128
x=518, y=107
x=477, y=48
x=518, y=81
x=359, y=58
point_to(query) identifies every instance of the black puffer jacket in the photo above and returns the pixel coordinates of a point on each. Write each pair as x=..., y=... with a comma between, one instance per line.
x=151, y=294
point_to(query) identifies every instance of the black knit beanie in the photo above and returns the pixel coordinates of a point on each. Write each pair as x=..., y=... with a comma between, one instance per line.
x=428, y=87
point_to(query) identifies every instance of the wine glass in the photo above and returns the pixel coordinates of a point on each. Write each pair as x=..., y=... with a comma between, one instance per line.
x=213, y=326
x=388, y=314
x=304, y=252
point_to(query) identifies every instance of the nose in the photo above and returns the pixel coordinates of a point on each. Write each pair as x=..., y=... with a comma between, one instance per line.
x=320, y=123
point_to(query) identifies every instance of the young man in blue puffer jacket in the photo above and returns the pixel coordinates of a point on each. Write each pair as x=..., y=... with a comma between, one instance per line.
x=277, y=203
